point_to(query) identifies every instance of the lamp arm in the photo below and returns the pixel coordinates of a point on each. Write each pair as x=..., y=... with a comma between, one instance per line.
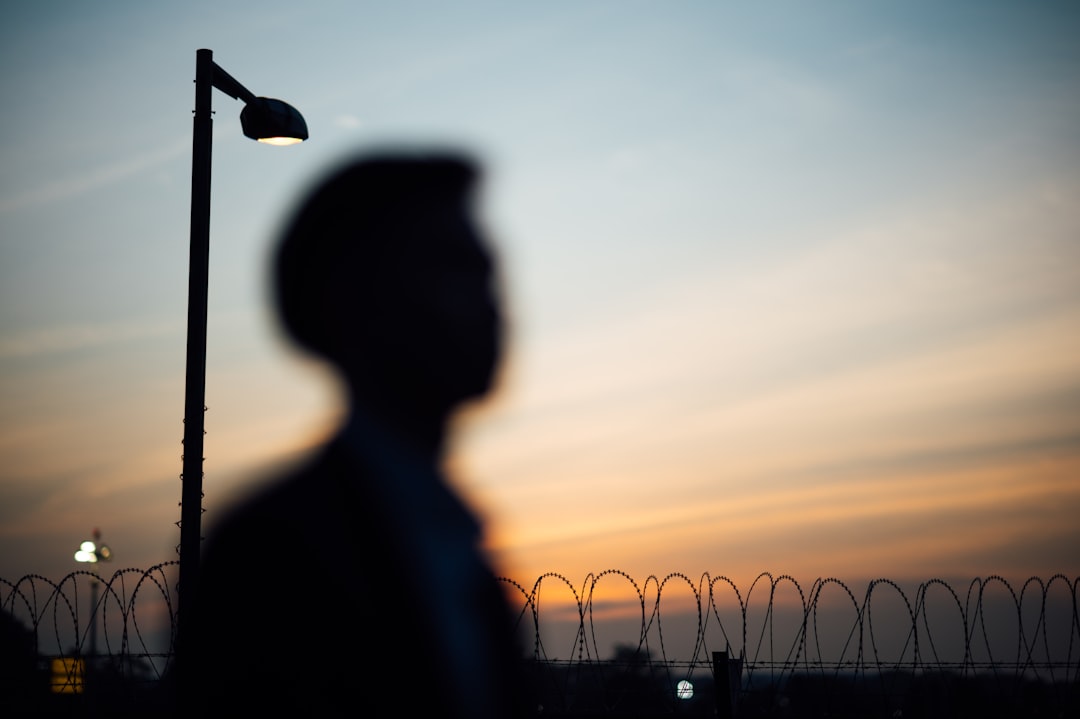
x=230, y=86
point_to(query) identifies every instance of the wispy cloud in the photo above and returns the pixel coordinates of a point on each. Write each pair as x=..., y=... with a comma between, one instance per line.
x=72, y=338
x=348, y=122
x=103, y=176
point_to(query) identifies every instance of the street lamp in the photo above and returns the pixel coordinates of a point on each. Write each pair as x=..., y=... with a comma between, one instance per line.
x=93, y=551
x=269, y=121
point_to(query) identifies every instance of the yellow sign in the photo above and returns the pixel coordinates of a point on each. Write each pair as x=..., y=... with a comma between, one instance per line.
x=67, y=675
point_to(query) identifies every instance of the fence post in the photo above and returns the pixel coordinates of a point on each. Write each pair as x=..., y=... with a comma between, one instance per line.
x=727, y=678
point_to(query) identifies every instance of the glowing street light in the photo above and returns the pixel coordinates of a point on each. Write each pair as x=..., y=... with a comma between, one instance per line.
x=267, y=120
x=92, y=551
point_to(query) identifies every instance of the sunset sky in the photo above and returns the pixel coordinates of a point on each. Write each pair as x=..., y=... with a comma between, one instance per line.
x=792, y=287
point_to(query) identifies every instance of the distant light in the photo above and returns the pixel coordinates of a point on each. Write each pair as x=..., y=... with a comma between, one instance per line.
x=281, y=141
x=87, y=552
x=684, y=690
x=91, y=551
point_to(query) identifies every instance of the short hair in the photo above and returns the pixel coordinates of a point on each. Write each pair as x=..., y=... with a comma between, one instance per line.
x=350, y=221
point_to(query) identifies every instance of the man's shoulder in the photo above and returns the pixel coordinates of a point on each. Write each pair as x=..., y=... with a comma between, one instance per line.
x=287, y=505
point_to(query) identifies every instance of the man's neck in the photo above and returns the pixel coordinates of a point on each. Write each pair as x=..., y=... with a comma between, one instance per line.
x=418, y=426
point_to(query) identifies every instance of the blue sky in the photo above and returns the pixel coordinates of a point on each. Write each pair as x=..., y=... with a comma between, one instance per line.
x=792, y=289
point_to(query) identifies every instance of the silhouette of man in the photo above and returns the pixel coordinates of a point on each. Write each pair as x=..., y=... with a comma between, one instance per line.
x=356, y=580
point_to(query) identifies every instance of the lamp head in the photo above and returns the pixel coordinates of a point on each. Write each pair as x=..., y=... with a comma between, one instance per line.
x=273, y=122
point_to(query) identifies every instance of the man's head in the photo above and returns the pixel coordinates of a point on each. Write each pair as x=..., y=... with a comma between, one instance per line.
x=383, y=273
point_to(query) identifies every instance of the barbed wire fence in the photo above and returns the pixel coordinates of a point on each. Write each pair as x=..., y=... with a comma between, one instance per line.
x=119, y=630
x=672, y=645
x=834, y=651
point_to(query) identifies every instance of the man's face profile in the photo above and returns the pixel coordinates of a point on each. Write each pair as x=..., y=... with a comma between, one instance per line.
x=384, y=273
x=439, y=307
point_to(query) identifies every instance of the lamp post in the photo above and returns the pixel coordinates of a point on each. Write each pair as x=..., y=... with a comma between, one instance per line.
x=267, y=120
x=93, y=551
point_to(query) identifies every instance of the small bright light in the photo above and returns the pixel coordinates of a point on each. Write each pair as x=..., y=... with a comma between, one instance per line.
x=684, y=690
x=91, y=551
x=280, y=141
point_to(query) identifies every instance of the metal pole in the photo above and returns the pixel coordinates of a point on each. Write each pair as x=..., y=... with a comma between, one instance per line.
x=93, y=617
x=195, y=387
x=725, y=700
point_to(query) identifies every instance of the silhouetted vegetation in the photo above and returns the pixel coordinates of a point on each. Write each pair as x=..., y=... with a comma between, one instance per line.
x=630, y=684
x=634, y=686
x=936, y=695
